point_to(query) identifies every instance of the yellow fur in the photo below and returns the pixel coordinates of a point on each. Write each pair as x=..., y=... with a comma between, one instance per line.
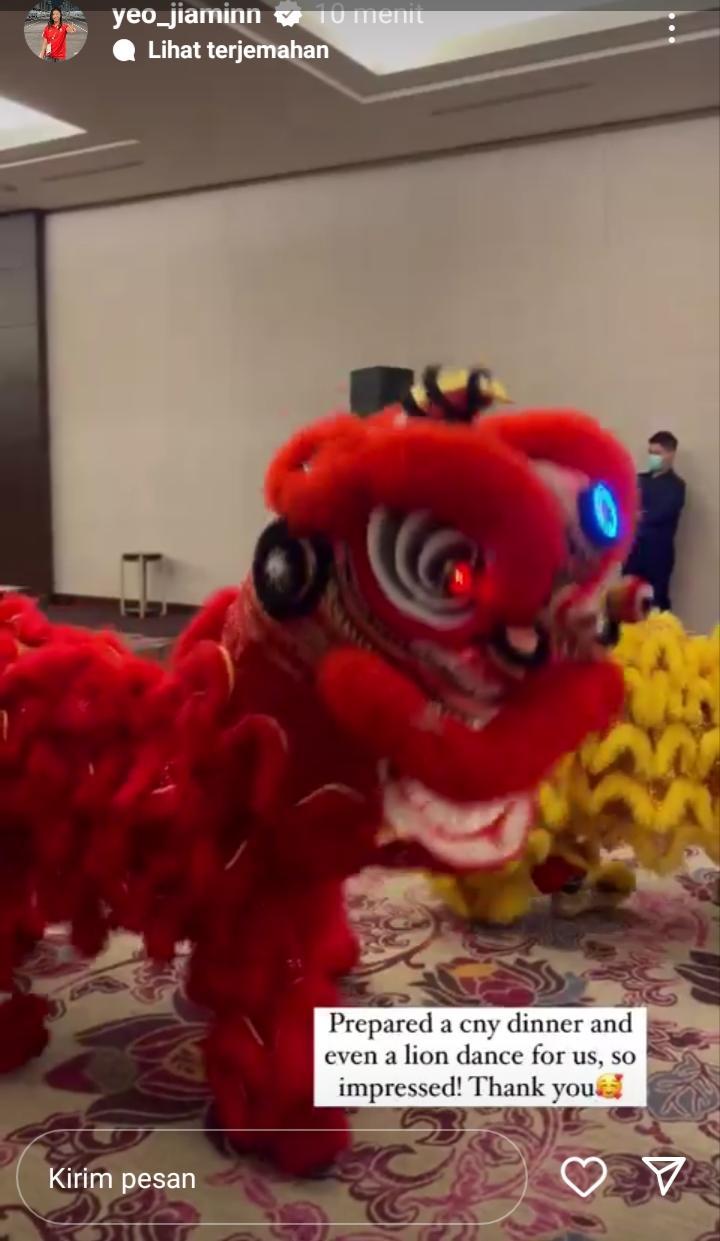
x=650, y=785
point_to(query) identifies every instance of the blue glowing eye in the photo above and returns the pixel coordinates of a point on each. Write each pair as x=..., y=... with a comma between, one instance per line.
x=599, y=515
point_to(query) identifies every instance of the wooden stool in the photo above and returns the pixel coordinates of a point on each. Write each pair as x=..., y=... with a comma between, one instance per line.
x=143, y=607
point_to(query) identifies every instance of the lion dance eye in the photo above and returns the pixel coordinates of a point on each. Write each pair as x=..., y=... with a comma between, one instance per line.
x=426, y=570
x=599, y=515
x=459, y=579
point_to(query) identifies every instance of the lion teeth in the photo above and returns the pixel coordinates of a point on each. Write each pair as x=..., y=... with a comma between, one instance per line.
x=477, y=834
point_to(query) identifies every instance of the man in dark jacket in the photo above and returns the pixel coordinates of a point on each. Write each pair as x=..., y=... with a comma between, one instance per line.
x=662, y=496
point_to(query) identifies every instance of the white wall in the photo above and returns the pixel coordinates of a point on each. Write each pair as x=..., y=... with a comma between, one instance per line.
x=189, y=335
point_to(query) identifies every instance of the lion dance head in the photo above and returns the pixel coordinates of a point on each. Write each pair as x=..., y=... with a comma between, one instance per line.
x=431, y=579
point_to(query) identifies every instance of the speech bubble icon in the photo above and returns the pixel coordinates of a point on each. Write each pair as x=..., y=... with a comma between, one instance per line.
x=124, y=49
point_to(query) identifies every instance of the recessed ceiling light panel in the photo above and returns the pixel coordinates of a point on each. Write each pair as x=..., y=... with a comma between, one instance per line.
x=396, y=41
x=22, y=126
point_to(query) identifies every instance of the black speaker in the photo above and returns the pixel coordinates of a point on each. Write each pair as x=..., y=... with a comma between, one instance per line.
x=374, y=387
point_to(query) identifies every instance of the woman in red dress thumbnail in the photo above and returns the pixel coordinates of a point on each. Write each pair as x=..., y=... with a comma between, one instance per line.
x=55, y=36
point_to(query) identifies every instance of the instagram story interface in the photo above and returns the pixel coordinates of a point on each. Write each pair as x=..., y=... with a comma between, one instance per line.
x=359, y=646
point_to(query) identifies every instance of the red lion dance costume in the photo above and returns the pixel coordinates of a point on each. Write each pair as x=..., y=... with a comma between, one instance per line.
x=415, y=609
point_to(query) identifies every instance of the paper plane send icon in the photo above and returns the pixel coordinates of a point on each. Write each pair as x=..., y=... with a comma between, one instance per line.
x=666, y=1168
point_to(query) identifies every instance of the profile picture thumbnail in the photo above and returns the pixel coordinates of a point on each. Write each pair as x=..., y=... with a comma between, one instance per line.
x=55, y=33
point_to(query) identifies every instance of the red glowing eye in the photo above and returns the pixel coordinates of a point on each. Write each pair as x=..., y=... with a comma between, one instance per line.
x=459, y=580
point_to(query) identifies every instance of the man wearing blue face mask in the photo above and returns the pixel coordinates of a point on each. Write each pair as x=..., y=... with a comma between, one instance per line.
x=662, y=496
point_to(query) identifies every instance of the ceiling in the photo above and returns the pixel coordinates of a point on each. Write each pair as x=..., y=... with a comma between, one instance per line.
x=160, y=126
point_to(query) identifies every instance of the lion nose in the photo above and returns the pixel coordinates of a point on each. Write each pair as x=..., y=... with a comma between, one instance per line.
x=522, y=646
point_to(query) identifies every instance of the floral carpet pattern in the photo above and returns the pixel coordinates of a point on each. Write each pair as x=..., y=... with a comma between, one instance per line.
x=124, y=1061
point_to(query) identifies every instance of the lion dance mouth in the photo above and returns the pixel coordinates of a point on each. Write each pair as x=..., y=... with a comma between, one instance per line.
x=474, y=835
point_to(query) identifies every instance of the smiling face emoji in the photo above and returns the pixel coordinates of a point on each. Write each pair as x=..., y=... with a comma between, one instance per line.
x=609, y=1086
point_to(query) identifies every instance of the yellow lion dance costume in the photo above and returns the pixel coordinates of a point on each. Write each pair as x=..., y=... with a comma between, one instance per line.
x=650, y=786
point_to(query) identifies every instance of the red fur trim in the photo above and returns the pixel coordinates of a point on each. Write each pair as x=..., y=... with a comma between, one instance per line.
x=22, y=1030
x=320, y=447
x=510, y=755
x=553, y=874
x=465, y=478
x=574, y=440
x=629, y=599
x=159, y=801
x=208, y=623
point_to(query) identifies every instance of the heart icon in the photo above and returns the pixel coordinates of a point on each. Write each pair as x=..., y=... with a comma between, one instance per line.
x=583, y=1163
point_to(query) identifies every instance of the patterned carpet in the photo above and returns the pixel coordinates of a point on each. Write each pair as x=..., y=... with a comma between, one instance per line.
x=124, y=1058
